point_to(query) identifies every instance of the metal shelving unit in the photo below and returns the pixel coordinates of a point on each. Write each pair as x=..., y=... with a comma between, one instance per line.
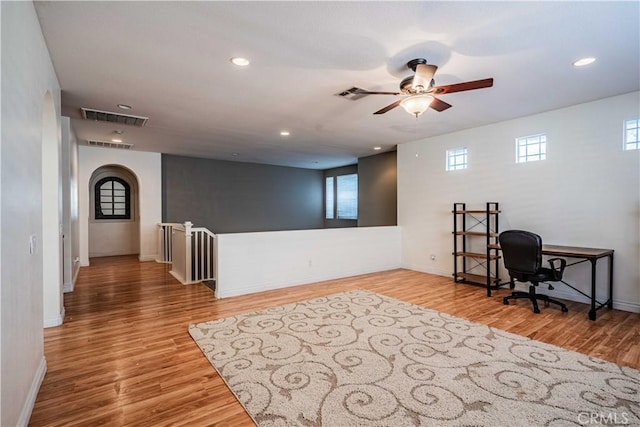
x=475, y=245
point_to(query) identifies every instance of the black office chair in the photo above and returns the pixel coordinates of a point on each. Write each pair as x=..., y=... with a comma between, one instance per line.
x=522, y=252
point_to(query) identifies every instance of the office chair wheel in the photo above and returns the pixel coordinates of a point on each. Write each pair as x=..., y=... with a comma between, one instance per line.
x=505, y=301
x=564, y=309
x=536, y=310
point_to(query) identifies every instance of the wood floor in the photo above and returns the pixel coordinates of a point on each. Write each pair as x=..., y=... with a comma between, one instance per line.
x=124, y=357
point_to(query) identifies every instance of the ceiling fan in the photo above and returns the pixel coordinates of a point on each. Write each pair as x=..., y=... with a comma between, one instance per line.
x=421, y=89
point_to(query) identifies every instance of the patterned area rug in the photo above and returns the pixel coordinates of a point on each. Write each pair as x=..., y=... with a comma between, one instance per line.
x=363, y=359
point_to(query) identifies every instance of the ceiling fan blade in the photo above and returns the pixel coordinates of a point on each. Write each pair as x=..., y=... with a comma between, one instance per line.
x=367, y=92
x=439, y=105
x=423, y=76
x=388, y=107
x=459, y=87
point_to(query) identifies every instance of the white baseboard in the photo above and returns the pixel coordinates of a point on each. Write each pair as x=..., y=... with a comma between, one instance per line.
x=147, y=257
x=626, y=306
x=29, y=403
x=181, y=279
x=558, y=292
x=423, y=269
x=234, y=291
x=67, y=287
x=76, y=271
x=576, y=297
x=56, y=321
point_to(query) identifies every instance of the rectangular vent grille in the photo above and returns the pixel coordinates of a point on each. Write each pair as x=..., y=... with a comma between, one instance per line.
x=106, y=116
x=352, y=93
x=105, y=144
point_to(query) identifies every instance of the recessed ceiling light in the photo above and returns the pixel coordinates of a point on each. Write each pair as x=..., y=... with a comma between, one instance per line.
x=116, y=140
x=119, y=132
x=584, y=61
x=377, y=148
x=124, y=106
x=240, y=62
x=235, y=154
x=285, y=133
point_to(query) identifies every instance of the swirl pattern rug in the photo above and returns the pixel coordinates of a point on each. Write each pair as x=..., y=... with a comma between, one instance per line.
x=362, y=359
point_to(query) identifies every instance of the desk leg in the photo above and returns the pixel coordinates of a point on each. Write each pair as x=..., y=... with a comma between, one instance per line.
x=610, y=303
x=592, y=312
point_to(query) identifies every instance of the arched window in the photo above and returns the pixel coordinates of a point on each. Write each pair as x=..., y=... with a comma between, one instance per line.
x=112, y=198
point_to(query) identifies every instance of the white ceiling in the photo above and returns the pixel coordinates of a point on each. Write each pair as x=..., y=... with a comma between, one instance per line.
x=170, y=61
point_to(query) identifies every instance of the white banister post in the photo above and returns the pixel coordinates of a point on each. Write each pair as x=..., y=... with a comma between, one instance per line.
x=159, y=245
x=187, y=250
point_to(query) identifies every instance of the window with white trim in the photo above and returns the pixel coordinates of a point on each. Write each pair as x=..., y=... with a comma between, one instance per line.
x=341, y=197
x=531, y=148
x=456, y=159
x=632, y=134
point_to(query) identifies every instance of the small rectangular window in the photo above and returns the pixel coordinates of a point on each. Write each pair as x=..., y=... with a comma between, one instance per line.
x=347, y=196
x=456, y=159
x=328, y=200
x=531, y=148
x=632, y=134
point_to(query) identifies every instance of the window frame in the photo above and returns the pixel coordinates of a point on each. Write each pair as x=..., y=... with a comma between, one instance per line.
x=97, y=191
x=330, y=205
x=630, y=145
x=454, y=153
x=542, y=148
x=337, y=199
x=333, y=210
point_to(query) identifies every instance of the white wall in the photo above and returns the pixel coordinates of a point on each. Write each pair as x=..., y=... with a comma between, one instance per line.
x=110, y=238
x=69, y=169
x=27, y=74
x=51, y=241
x=254, y=262
x=147, y=169
x=586, y=193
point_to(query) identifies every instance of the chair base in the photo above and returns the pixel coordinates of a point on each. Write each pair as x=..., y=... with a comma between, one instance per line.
x=533, y=297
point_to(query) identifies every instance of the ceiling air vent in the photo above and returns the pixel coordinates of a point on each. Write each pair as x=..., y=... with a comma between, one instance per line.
x=106, y=116
x=105, y=144
x=352, y=93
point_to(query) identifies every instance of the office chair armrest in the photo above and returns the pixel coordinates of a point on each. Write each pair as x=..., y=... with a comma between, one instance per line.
x=557, y=270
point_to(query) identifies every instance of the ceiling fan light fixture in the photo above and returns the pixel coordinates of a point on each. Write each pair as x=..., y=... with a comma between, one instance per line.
x=416, y=104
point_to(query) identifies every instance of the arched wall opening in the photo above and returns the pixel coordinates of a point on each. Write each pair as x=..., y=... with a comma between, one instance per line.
x=114, y=212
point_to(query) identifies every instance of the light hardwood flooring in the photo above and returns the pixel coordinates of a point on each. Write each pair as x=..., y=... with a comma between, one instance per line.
x=124, y=357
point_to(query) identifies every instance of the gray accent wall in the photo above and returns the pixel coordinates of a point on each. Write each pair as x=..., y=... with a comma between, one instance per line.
x=378, y=190
x=229, y=197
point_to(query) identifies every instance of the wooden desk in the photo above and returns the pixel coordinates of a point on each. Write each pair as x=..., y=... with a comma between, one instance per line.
x=586, y=254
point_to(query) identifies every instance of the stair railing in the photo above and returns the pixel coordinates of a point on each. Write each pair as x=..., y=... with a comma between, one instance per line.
x=192, y=251
x=165, y=241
